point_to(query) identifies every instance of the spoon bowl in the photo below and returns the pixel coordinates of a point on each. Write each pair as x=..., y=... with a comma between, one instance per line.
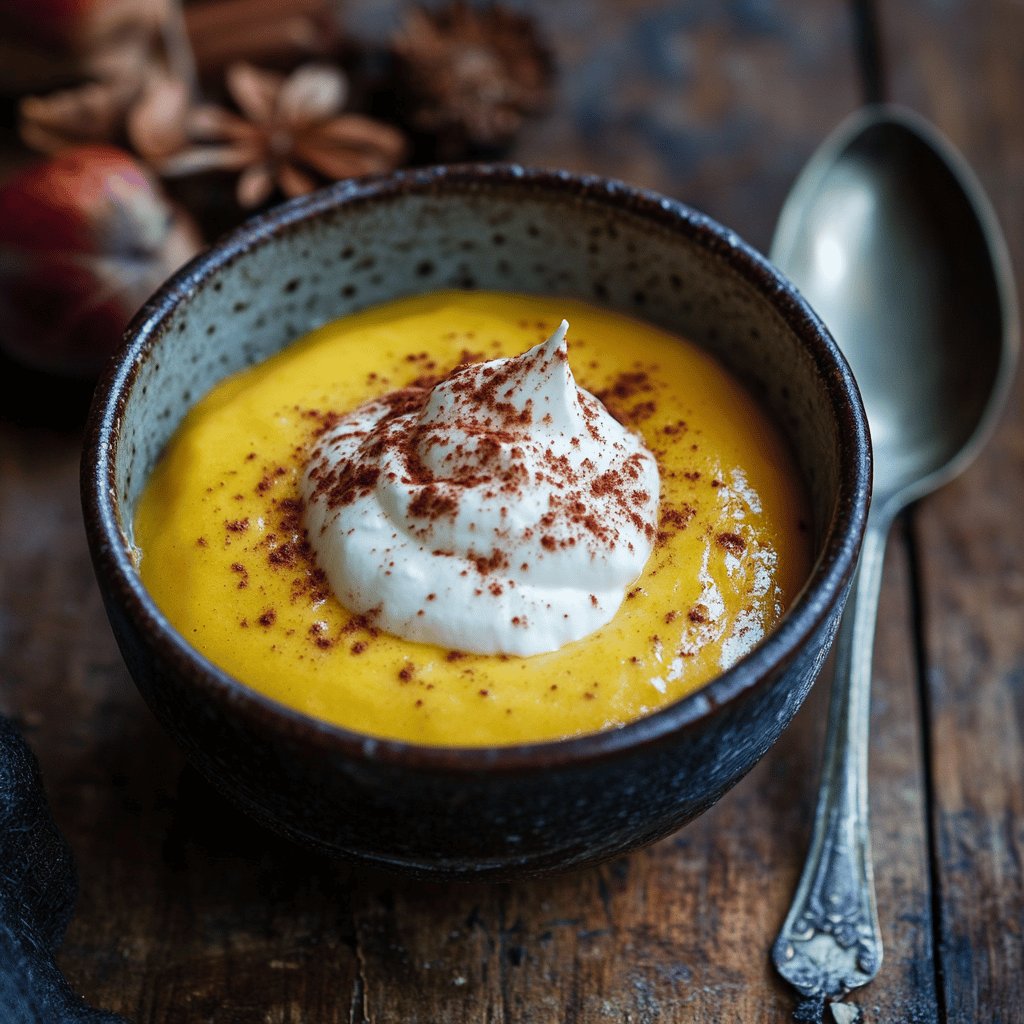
x=888, y=234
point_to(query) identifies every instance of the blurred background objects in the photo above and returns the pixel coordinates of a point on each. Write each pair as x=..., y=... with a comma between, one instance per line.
x=137, y=129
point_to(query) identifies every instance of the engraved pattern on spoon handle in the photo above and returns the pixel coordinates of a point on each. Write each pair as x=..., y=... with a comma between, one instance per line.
x=830, y=942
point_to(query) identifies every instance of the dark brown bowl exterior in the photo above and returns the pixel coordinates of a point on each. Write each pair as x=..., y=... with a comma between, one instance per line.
x=464, y=812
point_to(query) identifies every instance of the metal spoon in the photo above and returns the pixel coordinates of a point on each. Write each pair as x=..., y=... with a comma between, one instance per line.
x=890, y=238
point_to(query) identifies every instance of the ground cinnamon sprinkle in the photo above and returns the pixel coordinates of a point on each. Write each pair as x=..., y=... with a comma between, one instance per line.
x=294, y=553
x=317, y=632
x=732, y=542
x=269, y=479
x=311, y=584
x=286, y=555
x=624, y=387
x=673, y=520
x=496, y=560
x=285, y=547
x=606, y=483
x=678, y=518
x=639, y=412
x=627, y=384
x=432, y=503
x=495, y=421
x=361, y=622
x=290, y=514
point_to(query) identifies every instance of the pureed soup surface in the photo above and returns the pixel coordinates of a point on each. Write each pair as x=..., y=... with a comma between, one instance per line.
x=223, y=552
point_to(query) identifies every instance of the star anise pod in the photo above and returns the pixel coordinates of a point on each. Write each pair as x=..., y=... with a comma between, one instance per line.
x=289, y=132
x=469, y=76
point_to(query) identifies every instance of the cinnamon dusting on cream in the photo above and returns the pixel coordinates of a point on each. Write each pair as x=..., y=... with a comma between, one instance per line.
x=504, y=470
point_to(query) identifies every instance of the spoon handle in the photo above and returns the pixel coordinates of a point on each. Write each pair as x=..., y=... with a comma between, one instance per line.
x=830, y=942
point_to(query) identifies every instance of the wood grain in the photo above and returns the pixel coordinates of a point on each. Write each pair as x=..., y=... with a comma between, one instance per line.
x=190, y=913
x=961, y=66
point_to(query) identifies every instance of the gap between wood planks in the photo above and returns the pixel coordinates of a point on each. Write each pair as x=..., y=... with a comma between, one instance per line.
x=927, y=753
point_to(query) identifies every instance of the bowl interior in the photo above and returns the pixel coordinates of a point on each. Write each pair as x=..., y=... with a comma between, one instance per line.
x=295, y=270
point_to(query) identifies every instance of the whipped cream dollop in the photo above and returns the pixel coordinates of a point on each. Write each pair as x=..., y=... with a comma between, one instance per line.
x=502, y=511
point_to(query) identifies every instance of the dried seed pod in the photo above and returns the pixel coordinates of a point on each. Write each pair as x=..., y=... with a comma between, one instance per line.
x=290, y=132
x=467, y=77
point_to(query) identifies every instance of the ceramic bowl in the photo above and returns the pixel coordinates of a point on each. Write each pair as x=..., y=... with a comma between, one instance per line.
x=466, y=812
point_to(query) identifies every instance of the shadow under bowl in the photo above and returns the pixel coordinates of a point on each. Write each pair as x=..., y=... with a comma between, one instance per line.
x=469, y=812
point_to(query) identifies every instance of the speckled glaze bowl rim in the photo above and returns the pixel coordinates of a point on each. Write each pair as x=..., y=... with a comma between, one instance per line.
x=831, y=573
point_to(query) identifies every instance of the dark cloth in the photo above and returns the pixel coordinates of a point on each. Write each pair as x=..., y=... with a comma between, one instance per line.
x=37, y=896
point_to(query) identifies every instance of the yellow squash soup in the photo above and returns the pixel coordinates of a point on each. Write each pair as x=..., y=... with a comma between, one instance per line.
x=222, y=548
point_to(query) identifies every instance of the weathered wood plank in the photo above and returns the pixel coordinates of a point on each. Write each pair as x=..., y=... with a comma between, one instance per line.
x=188, y=912
x=960, y=64
x=906, y=988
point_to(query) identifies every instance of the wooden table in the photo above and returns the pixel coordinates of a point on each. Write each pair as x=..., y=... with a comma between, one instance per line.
x=188, y=913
